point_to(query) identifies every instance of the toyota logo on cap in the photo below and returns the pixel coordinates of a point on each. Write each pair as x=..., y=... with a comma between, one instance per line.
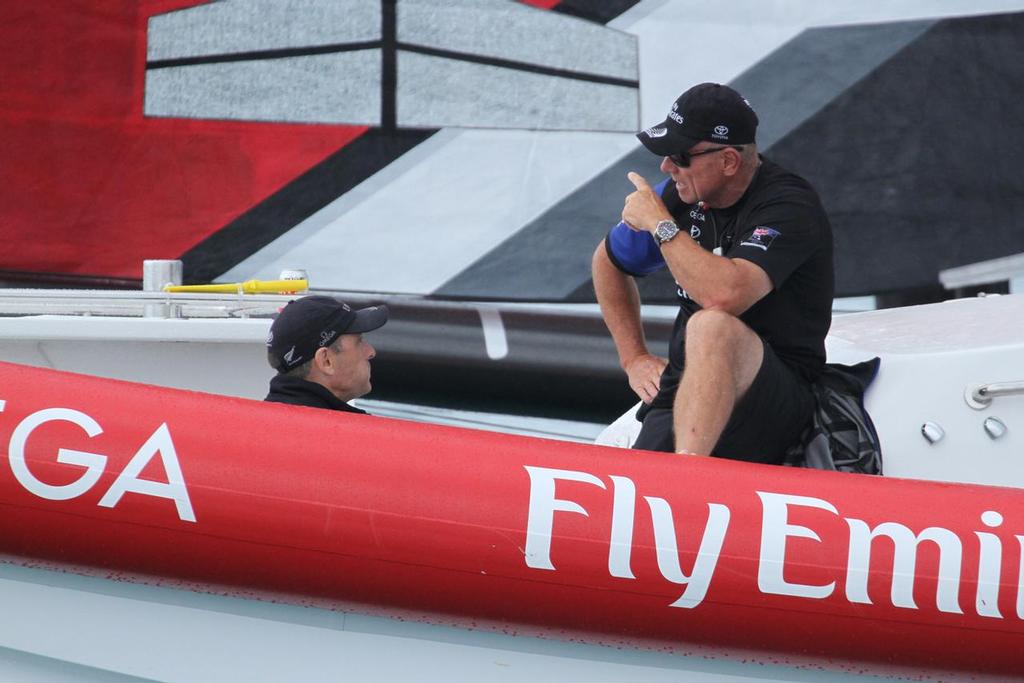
x=721, y=130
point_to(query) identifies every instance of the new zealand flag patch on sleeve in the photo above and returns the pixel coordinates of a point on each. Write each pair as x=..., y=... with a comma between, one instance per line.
x=762, y=237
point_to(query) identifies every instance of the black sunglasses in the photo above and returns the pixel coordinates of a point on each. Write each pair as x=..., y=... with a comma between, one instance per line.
x=682, y=159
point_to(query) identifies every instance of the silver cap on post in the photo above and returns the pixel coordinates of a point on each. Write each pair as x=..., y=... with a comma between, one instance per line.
x=156, y=274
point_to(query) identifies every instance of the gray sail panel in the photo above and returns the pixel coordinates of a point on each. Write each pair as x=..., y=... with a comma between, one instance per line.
x=436, y=92
x=280, y=90
x=803, y=76
x=258, y=25
x=405, y=63
x=915, y=162
x=515, y=32
x=550, y=258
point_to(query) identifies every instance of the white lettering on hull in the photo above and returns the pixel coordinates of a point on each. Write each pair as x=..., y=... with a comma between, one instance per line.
x=904, y=569
x=543, y=506
x=174, y=489
x=621, y=542
x=128, y=481
x=699, y=580
x=1020, y=580
x=92, y=462
x=540, y=521
x=990, y=562
x=776, y=529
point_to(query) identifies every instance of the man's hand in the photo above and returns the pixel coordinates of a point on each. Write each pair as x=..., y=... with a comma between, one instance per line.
x=644, y=372
x=643, y=208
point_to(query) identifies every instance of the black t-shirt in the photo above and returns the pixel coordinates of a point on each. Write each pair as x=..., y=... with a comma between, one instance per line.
x=778, y=224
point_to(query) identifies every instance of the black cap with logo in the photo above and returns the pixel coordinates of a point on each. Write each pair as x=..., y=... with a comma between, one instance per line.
x=707, y=112
x=306, y=324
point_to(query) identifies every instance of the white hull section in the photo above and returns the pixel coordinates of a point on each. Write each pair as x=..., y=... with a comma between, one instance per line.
x=102, y=631
x=931, y=355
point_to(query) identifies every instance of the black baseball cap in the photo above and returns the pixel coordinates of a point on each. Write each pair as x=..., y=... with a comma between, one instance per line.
x=707, y=112
x=306, y=324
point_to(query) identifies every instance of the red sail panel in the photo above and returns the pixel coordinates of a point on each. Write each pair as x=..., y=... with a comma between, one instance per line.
x=91, y=186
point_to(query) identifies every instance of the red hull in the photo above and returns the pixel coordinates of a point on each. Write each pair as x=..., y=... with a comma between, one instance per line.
x=451, y=523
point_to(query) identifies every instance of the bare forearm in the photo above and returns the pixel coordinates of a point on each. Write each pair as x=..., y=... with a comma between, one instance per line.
x=620, y=306
x=714, y=282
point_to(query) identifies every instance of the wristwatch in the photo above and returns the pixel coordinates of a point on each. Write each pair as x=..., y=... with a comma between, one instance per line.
x=665, y=231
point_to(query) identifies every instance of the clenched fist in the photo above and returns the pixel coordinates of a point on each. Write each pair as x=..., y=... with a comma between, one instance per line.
x=643, y=208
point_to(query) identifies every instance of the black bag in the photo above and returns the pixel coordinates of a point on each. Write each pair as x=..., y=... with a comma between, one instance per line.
x=841, y=436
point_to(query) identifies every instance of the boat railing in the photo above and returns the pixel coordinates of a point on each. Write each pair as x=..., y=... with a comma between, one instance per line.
x=159, y=304
x=131, y=303
x=980, y=397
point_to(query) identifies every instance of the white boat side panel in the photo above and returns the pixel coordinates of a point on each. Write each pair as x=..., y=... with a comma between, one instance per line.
x=930, y=356
x=912, y=391
x=562, y=430
x=112, y=329
x=23, y=667
x=401, y=234
x=217, y=368
x=172, y=635
x=221, y=356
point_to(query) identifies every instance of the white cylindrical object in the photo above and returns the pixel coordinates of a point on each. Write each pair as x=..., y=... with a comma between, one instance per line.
x=294, y=274
x=156, y=274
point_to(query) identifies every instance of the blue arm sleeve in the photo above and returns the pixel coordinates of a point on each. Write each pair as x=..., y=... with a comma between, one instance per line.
x=632, y=252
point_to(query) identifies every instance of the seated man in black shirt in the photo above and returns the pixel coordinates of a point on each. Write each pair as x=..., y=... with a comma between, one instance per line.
x=322, y=361
x=750, y=248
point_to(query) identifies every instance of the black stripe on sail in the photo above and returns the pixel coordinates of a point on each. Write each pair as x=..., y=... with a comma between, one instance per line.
x=389, y=69
x=258, y=55
x=598, y=12
x=518, y=66
x=389, y=66
x=301, y=198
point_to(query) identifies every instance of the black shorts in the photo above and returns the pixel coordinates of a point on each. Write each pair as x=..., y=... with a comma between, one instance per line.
x=767, y=420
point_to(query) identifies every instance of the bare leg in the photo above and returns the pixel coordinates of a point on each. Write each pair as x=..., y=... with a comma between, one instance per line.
x=723, y=356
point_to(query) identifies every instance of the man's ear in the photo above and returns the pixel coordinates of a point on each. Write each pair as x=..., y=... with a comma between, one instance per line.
x=323, y=361
x=732, y=161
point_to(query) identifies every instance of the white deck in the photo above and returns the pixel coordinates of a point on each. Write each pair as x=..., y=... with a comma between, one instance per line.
x=930, y=356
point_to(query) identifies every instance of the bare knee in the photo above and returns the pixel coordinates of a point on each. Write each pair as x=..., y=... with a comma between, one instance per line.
x=712, y=331
x=718, y=336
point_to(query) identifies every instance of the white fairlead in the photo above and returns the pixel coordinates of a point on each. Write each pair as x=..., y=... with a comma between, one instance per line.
x=495, y=340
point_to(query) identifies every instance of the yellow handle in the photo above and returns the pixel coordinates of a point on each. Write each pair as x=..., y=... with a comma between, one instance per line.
x=247, y=287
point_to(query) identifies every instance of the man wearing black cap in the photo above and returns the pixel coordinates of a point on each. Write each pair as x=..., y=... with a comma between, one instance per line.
x=750, y=248
x=322, y=361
